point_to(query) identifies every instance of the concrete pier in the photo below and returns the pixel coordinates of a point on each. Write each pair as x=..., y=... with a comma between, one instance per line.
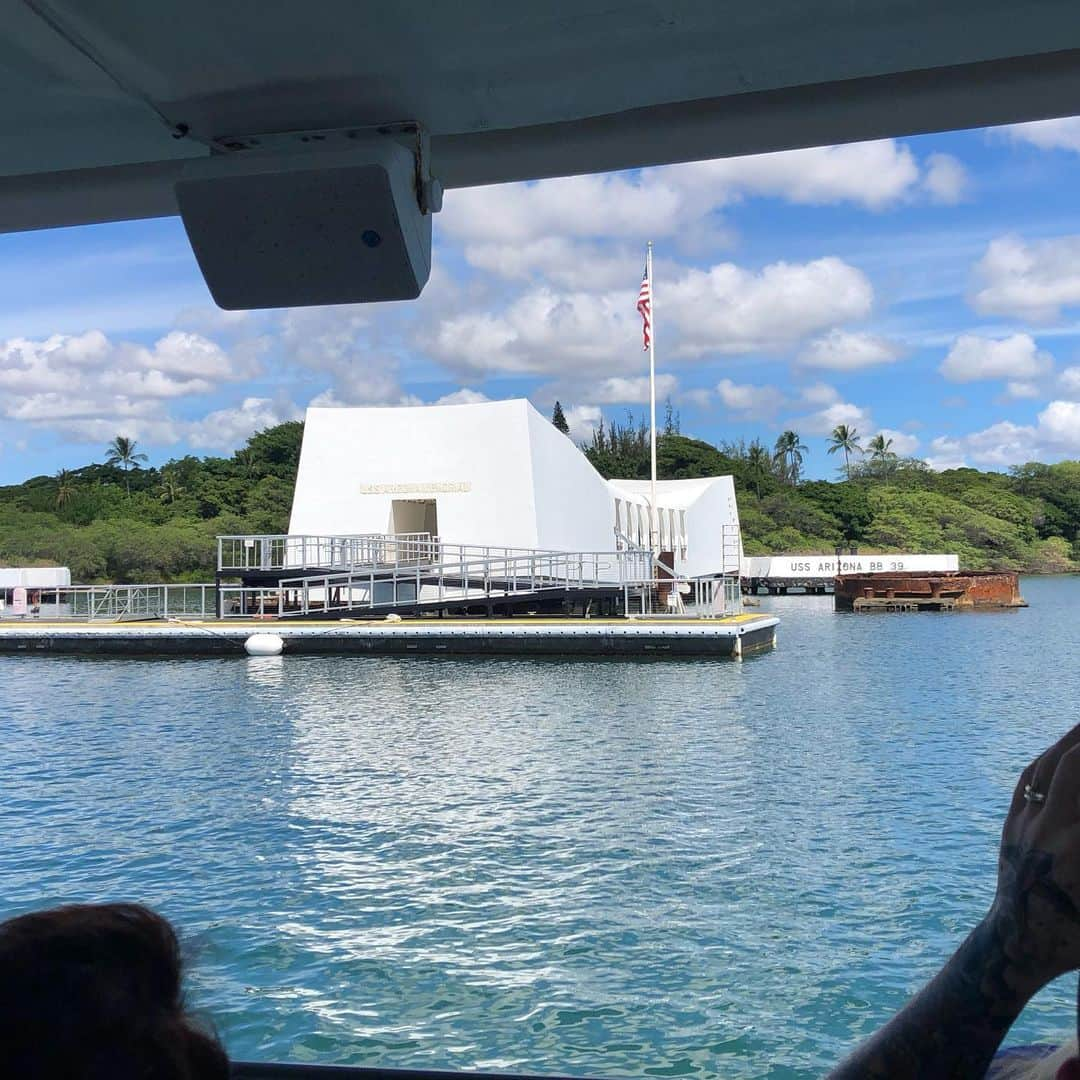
x=735, y=635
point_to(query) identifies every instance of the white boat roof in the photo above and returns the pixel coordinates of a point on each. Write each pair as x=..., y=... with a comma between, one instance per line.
x=101, y=100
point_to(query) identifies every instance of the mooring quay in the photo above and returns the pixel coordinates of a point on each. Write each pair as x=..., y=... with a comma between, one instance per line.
x=733, y=635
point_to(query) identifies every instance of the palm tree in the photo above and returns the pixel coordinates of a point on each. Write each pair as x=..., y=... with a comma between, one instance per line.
x=759, y=464
x=170, y=489
x=881, y=453
x=122, y=451
x=789, y=455
x=65, y=488
x=847, y=439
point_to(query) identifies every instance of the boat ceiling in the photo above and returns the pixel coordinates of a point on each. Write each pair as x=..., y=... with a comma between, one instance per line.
x=94, y=93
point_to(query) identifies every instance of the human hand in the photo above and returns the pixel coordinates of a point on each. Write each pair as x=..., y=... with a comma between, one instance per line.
x=1036, y=911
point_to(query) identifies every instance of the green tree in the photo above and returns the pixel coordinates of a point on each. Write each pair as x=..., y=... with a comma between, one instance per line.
x=788, y=453
x=672, y=420
x=759, y=465
x=881, y=454
x=123, y=451
x=847, y=439
x=275, y=451
x=65, y=489
x=171, y=489
x=558, y=418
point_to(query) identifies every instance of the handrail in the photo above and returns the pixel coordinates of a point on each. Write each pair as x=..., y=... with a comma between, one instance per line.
x=301, y=551
x=469, y=578
x=191, y=600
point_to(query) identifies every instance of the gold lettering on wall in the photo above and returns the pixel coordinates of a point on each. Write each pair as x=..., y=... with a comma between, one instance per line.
x=436, y=488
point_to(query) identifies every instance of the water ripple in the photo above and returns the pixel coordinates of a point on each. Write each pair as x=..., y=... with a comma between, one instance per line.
x=691, y=868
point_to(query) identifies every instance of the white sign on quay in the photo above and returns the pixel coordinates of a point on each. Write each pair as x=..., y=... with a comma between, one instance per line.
x=803, y=567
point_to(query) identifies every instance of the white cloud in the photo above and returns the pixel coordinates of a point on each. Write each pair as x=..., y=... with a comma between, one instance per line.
x=224, y=429
x=606, y=205
x=903, y=443
x=832, y=410
x=583, y=420
x=753, y=401
x=1055, y=433
x=699, y=397
x=464, y=396
x=819, y=393
x=326, y=339
x=558, y=260
x=843, y=412
x=1016, y=358
x=1069, y=381
x=1019, y=390
x=722, y=310
x=946, y=180
x=1059, y=426
x=946, y=453
x=549, y=226
x=213, y=320
x=1059, y=134
x=999, y=445
x=87, y=384
x=870, y=174
x=1028, y=280
x=618, y=390
x=543, y=331
x=729, y=310
x=842, y=350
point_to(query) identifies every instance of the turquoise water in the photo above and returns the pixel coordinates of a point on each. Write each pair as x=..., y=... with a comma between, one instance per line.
x=616, y=868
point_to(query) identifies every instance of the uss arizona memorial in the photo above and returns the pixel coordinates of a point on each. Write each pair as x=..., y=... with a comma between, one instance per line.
x=472, y=508
x=499, y=474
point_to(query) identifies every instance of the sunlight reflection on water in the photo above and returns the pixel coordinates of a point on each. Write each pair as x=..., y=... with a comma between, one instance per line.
x=586, y=866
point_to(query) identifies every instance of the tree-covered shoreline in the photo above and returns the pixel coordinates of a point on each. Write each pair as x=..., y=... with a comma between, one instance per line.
x=1027, y=519
x=125, y=523
x=119, y=522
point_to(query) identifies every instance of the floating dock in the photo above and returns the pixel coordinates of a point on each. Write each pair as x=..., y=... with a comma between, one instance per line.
x=967, y=590
x=733, y=635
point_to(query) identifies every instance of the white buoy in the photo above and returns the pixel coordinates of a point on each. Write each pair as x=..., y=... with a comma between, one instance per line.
x=264, y=645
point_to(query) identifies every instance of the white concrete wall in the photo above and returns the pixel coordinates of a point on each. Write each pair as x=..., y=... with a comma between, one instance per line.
x=472, y=459
x=824, y=566
x=707, y=517
x=710, y=507
x=500, y=474
x=575, y=508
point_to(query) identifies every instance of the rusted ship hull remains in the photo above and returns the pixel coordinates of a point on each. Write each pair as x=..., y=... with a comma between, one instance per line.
x=912, y=591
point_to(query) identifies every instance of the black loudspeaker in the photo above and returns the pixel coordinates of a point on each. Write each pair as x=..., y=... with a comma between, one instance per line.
x=296, y=229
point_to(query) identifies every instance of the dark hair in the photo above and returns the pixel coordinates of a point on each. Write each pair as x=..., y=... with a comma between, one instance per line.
x=93, y=992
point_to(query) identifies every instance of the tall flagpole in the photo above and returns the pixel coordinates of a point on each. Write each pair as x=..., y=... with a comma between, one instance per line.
x=653, y=518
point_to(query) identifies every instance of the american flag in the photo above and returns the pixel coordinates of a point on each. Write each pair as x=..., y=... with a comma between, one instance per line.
x=644, y=306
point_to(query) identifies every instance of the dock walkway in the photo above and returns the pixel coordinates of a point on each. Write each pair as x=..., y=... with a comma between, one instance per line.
x=733, y=635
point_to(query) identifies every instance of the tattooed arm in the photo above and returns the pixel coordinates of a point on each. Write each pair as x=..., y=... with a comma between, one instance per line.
x=953, y=1026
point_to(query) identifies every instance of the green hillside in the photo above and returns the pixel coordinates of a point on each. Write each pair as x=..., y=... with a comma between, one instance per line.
x=1027, y=519
x=124, y=522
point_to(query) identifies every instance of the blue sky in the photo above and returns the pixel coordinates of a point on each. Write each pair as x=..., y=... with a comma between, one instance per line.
x=925, y=287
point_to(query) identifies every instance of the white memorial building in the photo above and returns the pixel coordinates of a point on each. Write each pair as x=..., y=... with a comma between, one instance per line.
x=498, y=474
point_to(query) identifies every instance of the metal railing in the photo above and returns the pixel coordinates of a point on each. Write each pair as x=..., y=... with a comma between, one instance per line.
x=464, y=578
x=464, y=573
x=384, y=572
x=684, y=597
x=115, y=602
x=239, y=554
x=458, y=583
